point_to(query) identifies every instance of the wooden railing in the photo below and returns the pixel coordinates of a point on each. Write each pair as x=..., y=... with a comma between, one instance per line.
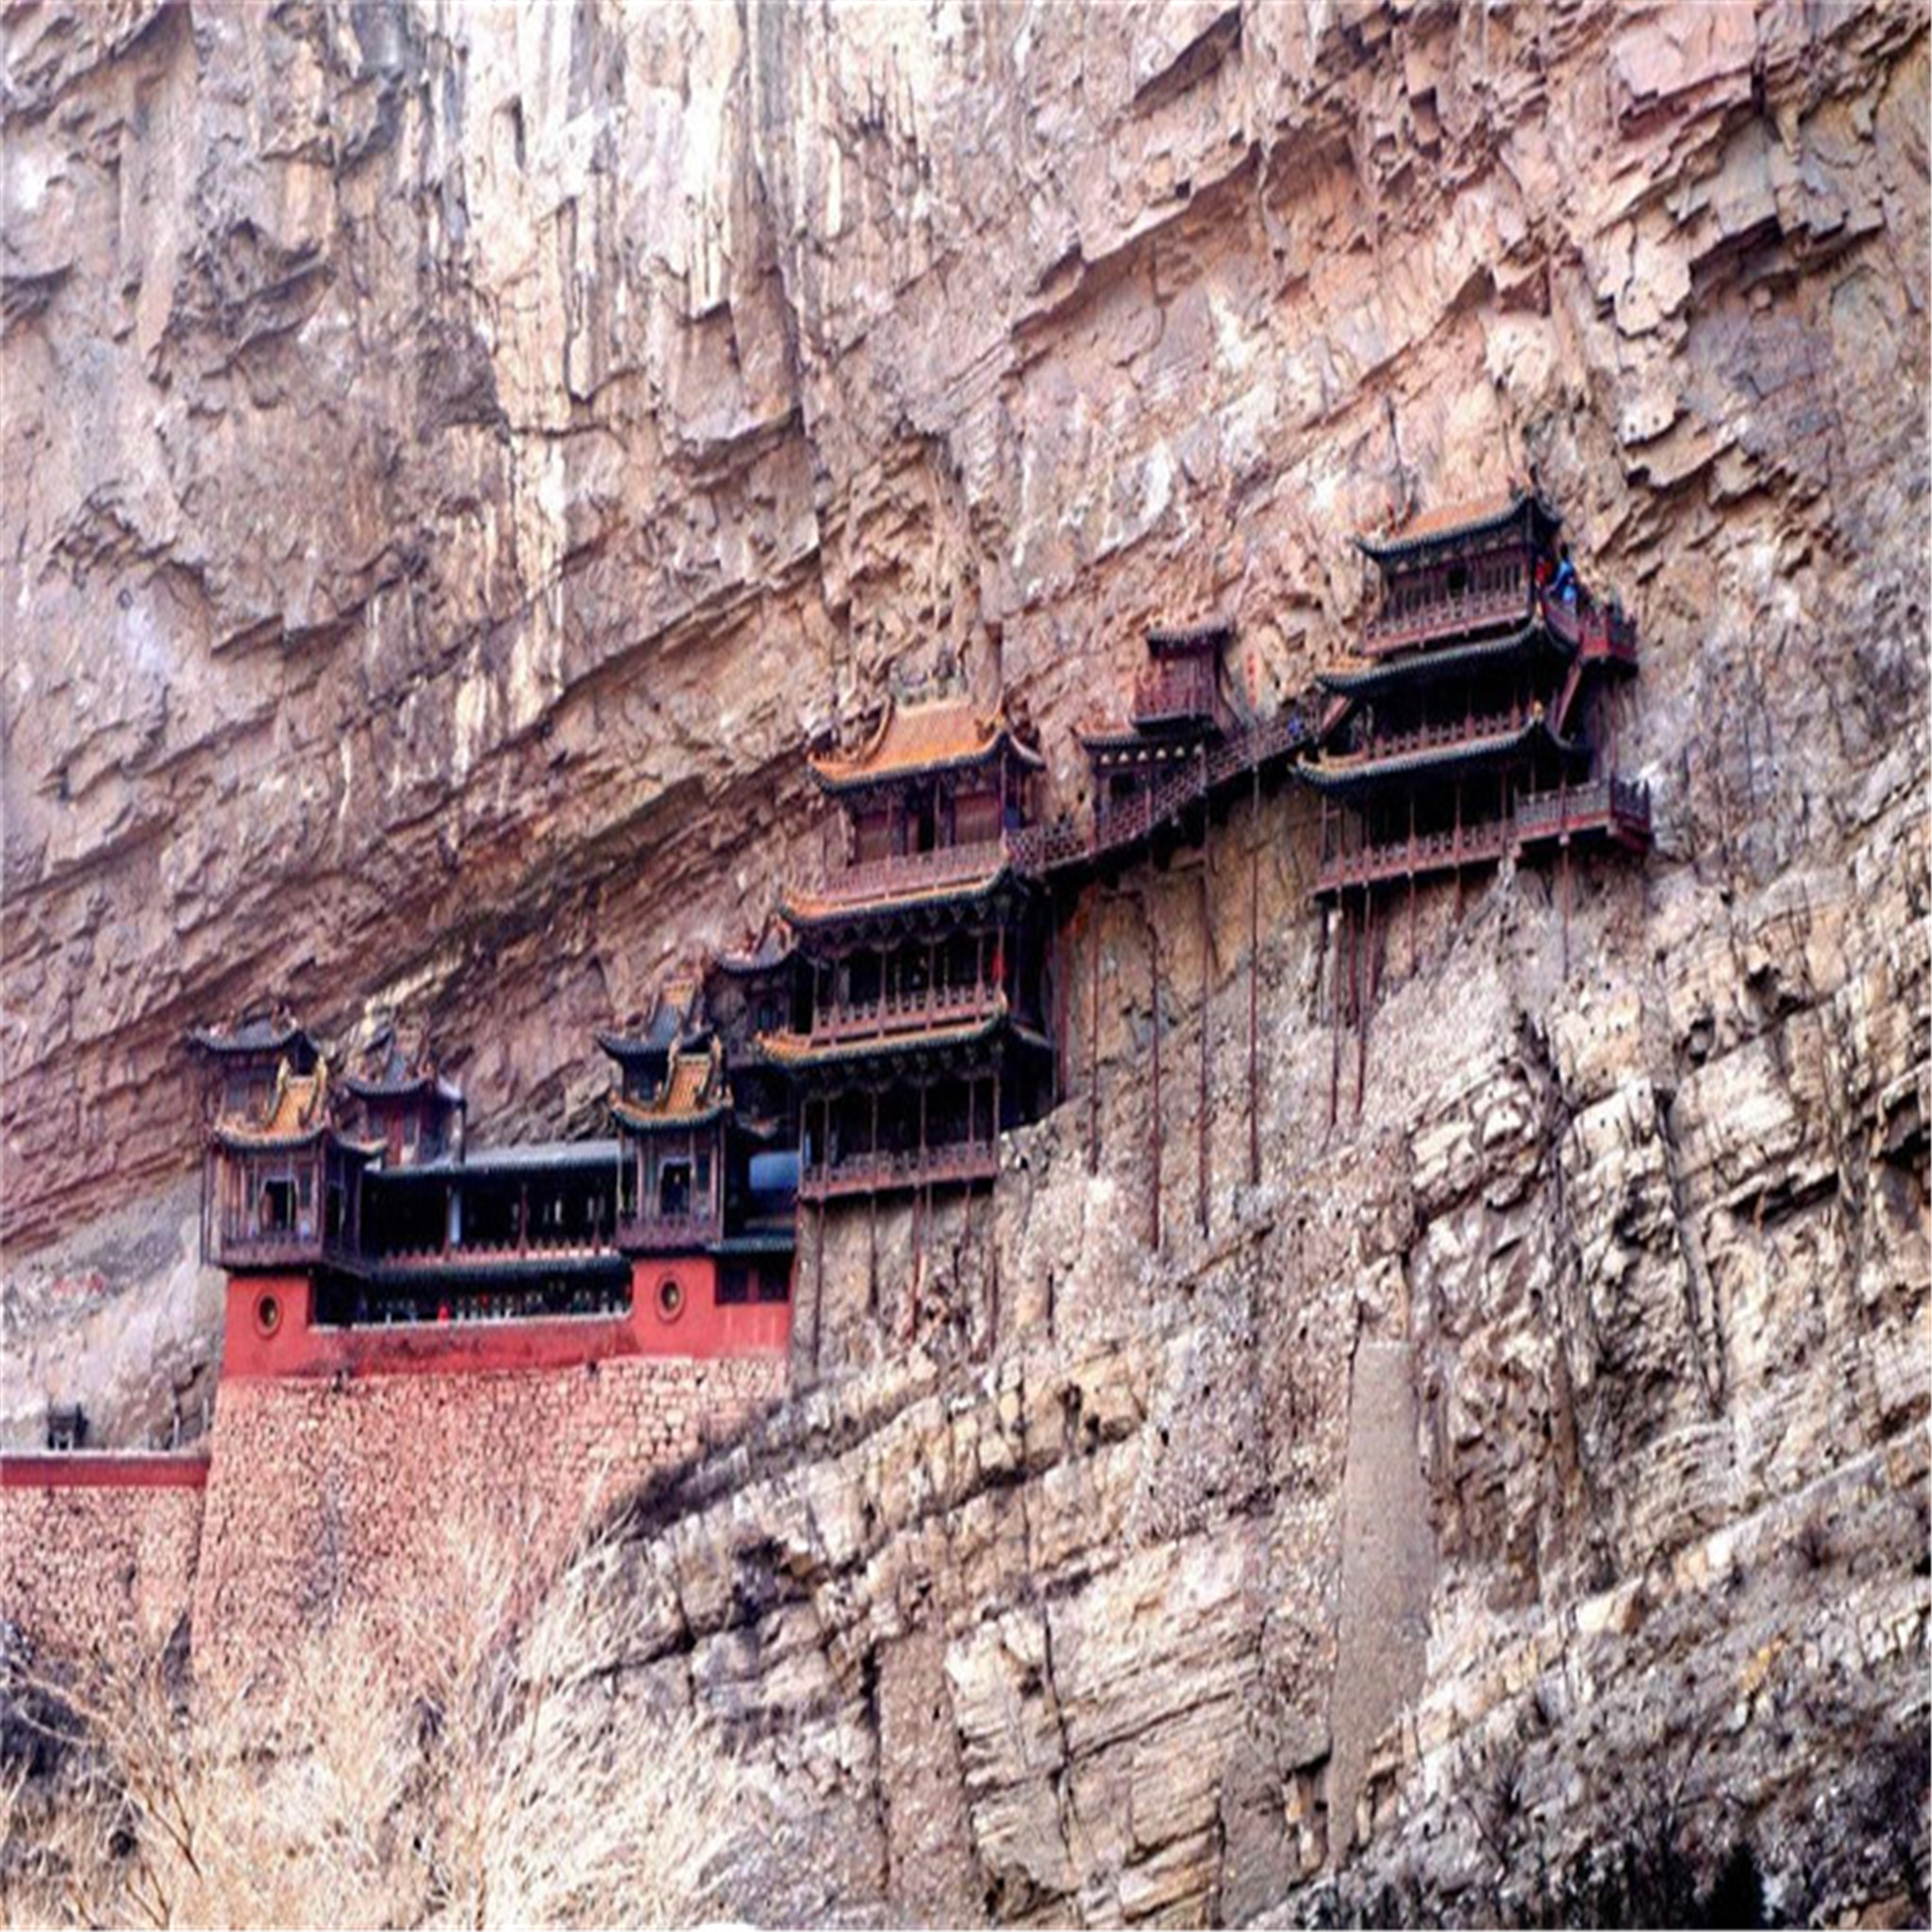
x=1169, y=692
x=905, y=872
x=489, y=1253
x=1601, y=633
x=1426, y=852
x=905, y=1013
x=1619, y=804
x=1039, y=851
x=665, y=1233
x=873, y=1174
x=1424, y=621
x=1454, y=731
x=1616, y=805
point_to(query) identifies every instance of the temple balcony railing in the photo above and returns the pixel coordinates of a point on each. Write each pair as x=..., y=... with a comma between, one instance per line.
x=901, y=874
x=905, y=1013
x=1426, y=852
x=1067, y=844
x=956, y=1162
x=1428, y=620
x=1600, y=633
x=471, y=1254
x=663, y=1234
x=1612, y=804
x=237, y=1244
x=1469, y=729
x=1179, y=692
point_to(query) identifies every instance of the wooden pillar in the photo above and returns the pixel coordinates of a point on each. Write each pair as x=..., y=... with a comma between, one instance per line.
x=1154, y=974
x=1255, y=976
x=1411, y=885
x=523, y=1217
x=1093, y=1057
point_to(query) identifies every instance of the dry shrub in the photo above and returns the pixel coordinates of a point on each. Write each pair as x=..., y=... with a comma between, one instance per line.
x=484, y=1774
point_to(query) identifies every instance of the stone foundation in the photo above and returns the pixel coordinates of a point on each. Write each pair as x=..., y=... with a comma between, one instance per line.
x=97, y=1553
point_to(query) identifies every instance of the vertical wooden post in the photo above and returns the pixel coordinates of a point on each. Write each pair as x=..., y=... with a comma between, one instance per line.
x=1154, y=970
x=1255, y=977
x=1093, y=1056
x=1361, y=1017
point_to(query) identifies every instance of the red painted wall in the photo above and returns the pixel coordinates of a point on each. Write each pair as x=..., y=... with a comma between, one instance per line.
x=102, y=1470
x=674, y=1312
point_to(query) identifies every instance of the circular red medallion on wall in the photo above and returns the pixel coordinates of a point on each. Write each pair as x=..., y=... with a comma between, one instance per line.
x=670, y=1298
x=268, y=1314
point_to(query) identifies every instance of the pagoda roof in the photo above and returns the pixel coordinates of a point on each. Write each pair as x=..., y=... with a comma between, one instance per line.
x=521, y=1157
x=693, y=1095
x=1365, y=771
x=770, y=949
x=257, y=1036
x=1165, y=639
x=1452, y=524
x=798, y=1050
x=672, y=1018
x=936, y=735
x=1423, y=663
x=297, y=1115
x=406, y=1086
x=810, y=910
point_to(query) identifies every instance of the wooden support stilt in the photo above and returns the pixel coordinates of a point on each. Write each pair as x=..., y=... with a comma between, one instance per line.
x=1361, y=1017
x=1566, y=905
x=1093, y=1060
x=818, y=1291
x=1207, y=993
x=1254, y=982
x=1411, y=886
x=1154, y=1192
x=1335, y=1021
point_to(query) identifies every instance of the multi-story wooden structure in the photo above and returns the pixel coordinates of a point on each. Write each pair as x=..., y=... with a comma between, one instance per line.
x=1479, y=717
x=349, y=1209
x=923, y=952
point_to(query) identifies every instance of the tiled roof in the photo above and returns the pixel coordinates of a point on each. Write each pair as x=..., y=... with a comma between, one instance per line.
x=252, y=1036
x=799, y=1050
x=672, y=1016
x=405, y=1087
x=297, y=1114
x=1420, y=665
x=1212, y=630
x=517, y=1156
x=1364, y=770
x=1474, y=517
x=808, y=908
x=938, y=735
x=694, y=1091
x=771, y=948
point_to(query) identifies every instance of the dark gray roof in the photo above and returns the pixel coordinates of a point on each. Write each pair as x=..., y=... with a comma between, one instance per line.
x=527, y=1157
x=1420, y=665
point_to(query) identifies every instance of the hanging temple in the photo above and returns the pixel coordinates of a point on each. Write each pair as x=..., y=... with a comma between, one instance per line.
x=903, y=1008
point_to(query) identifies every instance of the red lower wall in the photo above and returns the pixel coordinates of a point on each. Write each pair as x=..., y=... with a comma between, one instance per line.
x=363, y=1473
x=674, y=1312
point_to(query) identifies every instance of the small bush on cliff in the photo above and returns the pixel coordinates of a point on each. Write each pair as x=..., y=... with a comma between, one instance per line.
x=484, y=1774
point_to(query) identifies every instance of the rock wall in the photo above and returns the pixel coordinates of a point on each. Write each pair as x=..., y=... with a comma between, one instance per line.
x=365, y=1497
x=97, y=1553
x=665, y=377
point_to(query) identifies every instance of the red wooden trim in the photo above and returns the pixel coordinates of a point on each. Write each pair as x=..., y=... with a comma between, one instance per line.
x=102, y=1469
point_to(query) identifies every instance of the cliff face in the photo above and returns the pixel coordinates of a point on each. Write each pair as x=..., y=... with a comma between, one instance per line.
x=454, y=460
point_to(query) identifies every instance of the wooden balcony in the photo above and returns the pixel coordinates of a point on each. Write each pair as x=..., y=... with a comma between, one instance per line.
x=1452, y=735
x=1179, y=692
x=907, y=874
x=954, y=1164
x=1598, y=633
x=906, y=1012
x=484, y=1255
x=667, y=1234
x=1436, y=619
x=1429, y=852
x=1618, y=807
